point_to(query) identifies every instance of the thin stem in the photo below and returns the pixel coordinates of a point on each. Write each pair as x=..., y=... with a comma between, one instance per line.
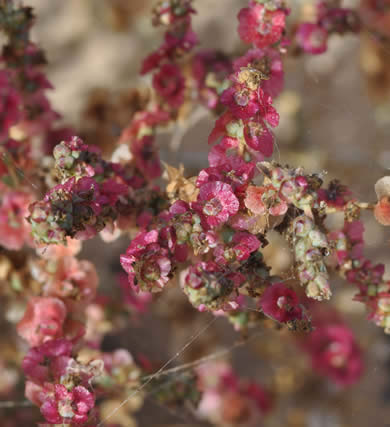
x=201, y=360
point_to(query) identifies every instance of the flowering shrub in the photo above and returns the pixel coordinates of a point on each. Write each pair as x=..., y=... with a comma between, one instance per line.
x=204, y=235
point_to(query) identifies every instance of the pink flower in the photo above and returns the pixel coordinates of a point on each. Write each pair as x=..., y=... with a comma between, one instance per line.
x=336, y=195
x=170, y=85
x=259, y=200
x=65, y=406
x=220, y=153
x=47, y=361
x=312, y=38
x=281, y=303
x=175, y=44
x=261, y=26
x=258, y=137
x=266, y=110
x=220, y=126
x=241, y=101
x=77, y=209
x=74, y=281
x=181, y=41
x=227, y=400
x=216, y=203
x=43, y=320
x=14, y=228
x=244, y=245
x=233, y=170
x=239, y=248
x=335, y=353
x=147, y=262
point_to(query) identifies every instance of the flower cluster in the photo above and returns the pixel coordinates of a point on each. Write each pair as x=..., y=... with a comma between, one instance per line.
x=226, y=400
x=209, y=287
x=283, y=187
x=179, y=37
x=312, y=37
x=58, y=384
x=14, y=229
x=310, y=248
x=77, y=208
x=333, y=349
x=281, y=303
x=146, y=262
x=210, y=71
x=22, y=83
x=93, y=193
x=206, y=232
x=374, y=290
x=263, y=22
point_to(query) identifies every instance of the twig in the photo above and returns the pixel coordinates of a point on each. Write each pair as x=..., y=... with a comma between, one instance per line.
x=202, y=360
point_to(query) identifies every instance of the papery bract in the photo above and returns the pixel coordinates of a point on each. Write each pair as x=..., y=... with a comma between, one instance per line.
x=43, y=320
x=260, y=26
x=281, y=303
x=216, y=203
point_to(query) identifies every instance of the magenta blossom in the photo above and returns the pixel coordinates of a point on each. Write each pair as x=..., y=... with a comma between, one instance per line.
x=260, y=200
x=335, y=353
x=233, y=170
x=261, y=26
x=65, y=406
x=267, y=111
x=170, y=85
x=173, y=45
x=259, y=137
x=216, y=203
x=241, y=101
x=240, y=248
x=146, y=262
x=47, y=361
x=43, y=320
x=281, y=303
x=336, y=195
x=220, y=153
x=219, y=129
x=312, y=38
